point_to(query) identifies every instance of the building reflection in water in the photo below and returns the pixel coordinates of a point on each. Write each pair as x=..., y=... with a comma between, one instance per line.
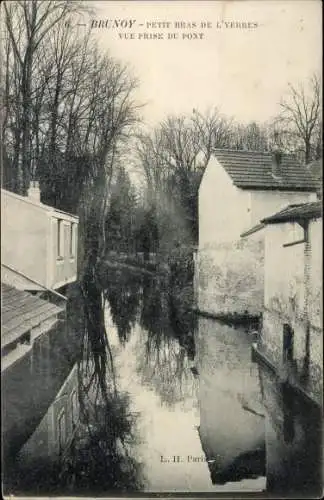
x=188, y=382
x=231, y=419
x=41, y=411
x=293, y=440
x=193, y=390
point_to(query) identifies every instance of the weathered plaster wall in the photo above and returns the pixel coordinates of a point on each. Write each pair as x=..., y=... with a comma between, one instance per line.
x=293, y=295
x=315, y=273
x=314, y=270
x=284, y=268
x=230, y=277
x=268, y=202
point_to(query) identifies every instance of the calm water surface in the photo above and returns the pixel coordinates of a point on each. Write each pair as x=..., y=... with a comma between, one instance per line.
x=188, y=382
x=192, y=388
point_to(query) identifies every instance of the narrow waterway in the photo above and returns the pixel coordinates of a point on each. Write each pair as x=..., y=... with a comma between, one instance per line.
x=193, y=389
x=183, y=410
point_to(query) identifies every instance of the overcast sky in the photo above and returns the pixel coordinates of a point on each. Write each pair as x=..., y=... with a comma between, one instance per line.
x=243, y=72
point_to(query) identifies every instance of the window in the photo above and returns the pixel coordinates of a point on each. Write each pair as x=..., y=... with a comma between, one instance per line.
x=59, y=238
x=61, y=431
x=72, y=239
x=288, y=343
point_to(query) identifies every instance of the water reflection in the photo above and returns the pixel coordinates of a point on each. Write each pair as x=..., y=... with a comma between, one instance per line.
x=160, y=366
x=293, y=440
x=231, y=421
x=95, y=457
x=181, y=406
x=123, y=296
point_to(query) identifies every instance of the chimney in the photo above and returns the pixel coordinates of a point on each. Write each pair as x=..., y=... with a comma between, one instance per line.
x=34, y=191
x=276, y=157
x=276, y=163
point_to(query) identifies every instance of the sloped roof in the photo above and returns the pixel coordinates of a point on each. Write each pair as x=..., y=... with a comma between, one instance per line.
x=12, y=277
x=252, y=230
x=20, y=281
x=21, y=311
x=316, y=168
x=293, y=213
x=40, y=205
x=253, y=170
x=316, y=171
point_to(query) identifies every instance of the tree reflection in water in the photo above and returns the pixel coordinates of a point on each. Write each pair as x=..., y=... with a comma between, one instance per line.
x=123, y=295
x=166, y=343
x=169, y=345
x=100, y=459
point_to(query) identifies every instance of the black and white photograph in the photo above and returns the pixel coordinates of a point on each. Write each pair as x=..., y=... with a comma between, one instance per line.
x=161, y=249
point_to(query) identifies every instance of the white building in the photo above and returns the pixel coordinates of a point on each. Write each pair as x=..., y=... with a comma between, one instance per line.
x=292, y=333
x=238, y=189
x=39, y=242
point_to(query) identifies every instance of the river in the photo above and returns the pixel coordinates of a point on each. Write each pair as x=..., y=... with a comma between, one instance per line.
x=183, y=411
x=189, y=380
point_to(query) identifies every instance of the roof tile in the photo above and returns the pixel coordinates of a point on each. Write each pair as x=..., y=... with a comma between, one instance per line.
x=21, y=311
x=253, y=170
x=301, y=211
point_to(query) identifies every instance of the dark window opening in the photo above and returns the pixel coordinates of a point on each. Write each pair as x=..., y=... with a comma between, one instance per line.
x=288, y=343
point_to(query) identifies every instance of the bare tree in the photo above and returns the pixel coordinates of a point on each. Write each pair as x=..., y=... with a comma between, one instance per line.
x=174, y=156
x=251, y=136
x=181, y=146
x=28, y=24
x=68, y=117
x=299, y=122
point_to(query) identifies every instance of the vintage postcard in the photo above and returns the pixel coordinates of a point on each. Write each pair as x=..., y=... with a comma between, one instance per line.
x=161, y=248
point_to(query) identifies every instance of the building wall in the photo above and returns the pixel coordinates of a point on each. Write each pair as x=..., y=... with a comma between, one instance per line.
x=24, y=237
x=316, y=273
x=229, y=271
x=268, y=202
x=64, y=262
x=30, y=241
x=229, y=277
x=293, y=295
x=226, y=211
x=223, y=209
x=284, y=269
